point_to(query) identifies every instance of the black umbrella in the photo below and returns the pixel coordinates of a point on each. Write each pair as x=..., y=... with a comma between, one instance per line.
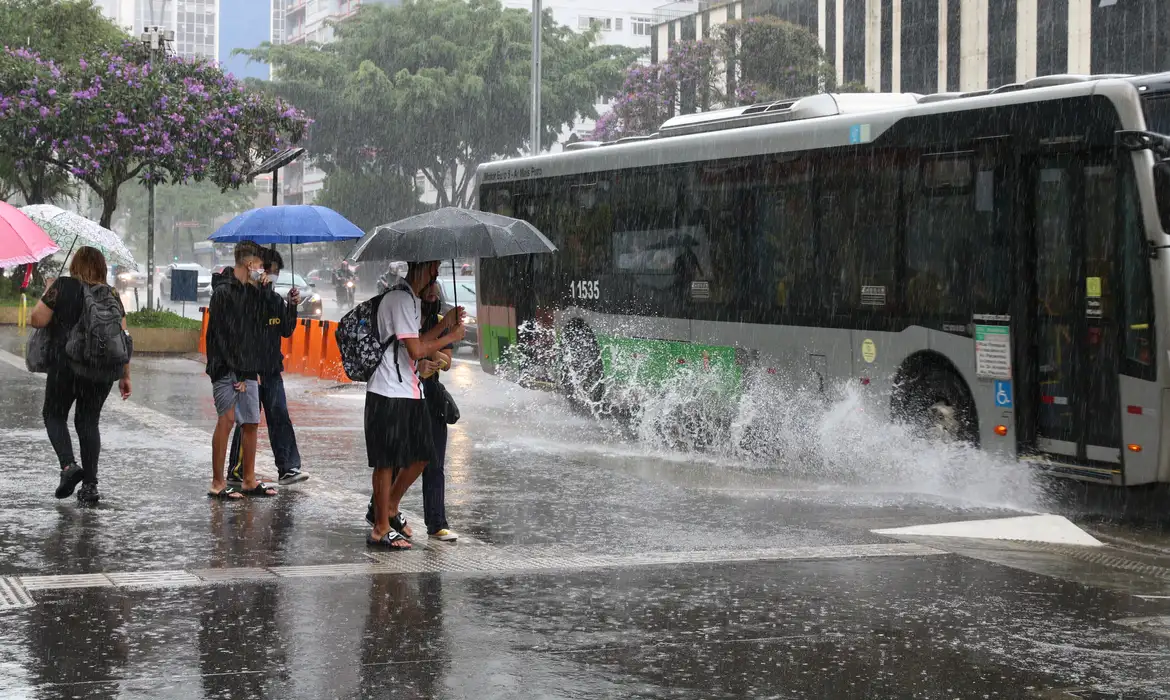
x=449, y=233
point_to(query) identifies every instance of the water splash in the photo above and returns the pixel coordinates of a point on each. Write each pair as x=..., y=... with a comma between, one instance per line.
x=839, y=435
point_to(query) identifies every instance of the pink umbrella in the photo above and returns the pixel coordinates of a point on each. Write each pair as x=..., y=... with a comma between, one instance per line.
x=21, y=241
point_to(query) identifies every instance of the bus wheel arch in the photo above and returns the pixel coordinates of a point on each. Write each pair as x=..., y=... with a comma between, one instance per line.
x=931, y=395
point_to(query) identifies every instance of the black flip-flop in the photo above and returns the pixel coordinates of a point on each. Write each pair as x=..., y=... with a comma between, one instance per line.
x=260, y=491
x=387, y=542
x=398, y=523
x=225, y=494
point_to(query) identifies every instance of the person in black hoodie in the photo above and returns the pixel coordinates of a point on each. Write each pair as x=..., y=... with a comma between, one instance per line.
x=237, y=354
x=273, y=401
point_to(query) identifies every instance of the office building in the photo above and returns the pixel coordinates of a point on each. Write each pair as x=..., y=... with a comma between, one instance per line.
x=928, y=46
x=196, y=23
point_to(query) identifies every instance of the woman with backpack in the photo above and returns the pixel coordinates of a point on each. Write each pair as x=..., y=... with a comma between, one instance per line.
x=88, y=351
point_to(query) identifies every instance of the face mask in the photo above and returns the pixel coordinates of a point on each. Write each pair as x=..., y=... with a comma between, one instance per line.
x=255, y=275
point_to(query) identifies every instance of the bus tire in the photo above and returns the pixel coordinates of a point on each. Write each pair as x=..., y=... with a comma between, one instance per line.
x=937, y=404
x=581, y=367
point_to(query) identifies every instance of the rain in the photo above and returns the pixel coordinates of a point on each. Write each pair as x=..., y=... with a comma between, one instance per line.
x=784, y=349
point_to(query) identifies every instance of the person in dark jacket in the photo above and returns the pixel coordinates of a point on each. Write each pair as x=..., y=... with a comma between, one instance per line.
x=237, y=353
x=273, y=401
x=59, y=311
x=434, y=491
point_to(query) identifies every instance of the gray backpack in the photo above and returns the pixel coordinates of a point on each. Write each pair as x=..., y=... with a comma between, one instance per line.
x=97, y=347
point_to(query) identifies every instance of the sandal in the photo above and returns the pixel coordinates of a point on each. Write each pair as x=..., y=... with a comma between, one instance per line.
x=260, y=491
x=391, y=540
x=227, y=493
x=398, y=523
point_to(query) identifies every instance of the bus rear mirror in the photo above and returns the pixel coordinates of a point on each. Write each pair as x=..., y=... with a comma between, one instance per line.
x=1162, y=192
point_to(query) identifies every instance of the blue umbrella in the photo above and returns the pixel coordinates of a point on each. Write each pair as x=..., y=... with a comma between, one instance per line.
x=288, y=223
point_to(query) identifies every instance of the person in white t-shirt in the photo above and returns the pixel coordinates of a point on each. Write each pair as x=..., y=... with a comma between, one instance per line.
x=397, y=423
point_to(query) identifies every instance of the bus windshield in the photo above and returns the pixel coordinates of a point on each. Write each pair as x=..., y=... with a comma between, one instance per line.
x=1157, y=109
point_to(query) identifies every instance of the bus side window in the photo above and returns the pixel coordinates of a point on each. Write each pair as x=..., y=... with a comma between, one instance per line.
x=1138, y=293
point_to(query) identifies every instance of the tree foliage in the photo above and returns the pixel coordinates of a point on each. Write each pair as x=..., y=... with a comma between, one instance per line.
x=61, y=31
x=437, y=87
x=115, y=116
x=369, y=199
x=744, y=62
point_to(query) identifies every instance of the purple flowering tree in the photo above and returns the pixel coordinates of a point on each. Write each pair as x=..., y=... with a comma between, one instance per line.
x=744, y=62
x=651, y=94
x=115, y=117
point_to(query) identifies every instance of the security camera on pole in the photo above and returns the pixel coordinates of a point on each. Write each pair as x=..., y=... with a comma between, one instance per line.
x=156, y=39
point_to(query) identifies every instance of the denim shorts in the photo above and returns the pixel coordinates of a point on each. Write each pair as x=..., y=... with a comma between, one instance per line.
x=246, y=403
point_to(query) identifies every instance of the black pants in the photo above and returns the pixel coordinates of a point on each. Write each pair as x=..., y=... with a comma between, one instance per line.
x=434, y=492
x=281, y=435
x=63, y=388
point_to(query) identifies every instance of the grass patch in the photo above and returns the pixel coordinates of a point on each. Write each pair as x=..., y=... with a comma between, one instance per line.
x=161, y=319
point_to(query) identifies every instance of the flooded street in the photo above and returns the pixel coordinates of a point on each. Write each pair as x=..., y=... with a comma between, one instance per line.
x=591, y=564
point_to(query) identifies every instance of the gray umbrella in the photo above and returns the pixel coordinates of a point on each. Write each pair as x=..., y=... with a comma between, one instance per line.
x=449, y=233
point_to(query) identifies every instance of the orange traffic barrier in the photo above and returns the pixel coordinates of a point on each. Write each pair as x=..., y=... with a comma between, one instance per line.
x=203, y=331
x=285, y=347
x=295, y=360
x=331, y=367
x=315, y=338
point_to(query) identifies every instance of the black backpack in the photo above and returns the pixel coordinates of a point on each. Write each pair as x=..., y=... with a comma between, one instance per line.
x=358, y=341
x=97, y=346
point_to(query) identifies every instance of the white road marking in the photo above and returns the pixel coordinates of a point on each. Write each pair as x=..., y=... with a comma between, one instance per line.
x=1049, y=529
x=474, y=560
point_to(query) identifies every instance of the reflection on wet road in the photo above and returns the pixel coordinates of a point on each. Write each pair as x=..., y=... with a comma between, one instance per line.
x=593, y=564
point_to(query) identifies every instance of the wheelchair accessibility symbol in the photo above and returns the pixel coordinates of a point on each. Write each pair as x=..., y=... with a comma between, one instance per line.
x=1003, y=393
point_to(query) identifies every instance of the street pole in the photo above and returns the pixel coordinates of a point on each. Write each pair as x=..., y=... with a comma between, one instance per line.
x=534, y=133
x=155, y=39
x=150, y=243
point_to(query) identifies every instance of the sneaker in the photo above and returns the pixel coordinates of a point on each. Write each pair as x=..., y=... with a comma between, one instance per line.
x=70, y=478
x=444, y=535
x=88, y=495
x=292, y=476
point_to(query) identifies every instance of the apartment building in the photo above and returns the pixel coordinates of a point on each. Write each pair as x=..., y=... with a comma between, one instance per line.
x=196, y=23
x=928, y=46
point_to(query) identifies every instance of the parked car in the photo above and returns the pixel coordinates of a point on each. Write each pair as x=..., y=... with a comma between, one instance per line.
x=310, y=306
x=203, y=285
x=461, y=291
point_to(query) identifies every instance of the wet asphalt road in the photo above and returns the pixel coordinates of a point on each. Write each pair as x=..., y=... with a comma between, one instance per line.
x=592, y=565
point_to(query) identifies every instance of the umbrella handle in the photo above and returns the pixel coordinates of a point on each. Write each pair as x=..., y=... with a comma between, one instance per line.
x=62, y=270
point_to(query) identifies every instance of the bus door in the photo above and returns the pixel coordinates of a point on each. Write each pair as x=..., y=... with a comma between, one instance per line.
x=1069, y=362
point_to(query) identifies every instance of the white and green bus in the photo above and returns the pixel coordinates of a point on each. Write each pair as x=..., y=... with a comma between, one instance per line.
x=994, y=264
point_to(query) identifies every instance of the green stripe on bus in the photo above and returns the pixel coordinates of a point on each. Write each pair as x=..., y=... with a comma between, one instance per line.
x=648, y=362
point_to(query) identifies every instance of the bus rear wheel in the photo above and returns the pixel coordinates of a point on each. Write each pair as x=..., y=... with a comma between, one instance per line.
x=938, y=406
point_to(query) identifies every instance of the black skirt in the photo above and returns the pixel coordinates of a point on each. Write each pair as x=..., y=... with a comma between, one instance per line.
x=398, y=432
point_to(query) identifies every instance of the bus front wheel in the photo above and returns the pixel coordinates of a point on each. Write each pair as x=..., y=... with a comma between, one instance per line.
x=581, y=366
x=936, y=403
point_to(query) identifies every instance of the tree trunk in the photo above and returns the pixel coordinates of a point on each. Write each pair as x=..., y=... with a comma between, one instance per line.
x=109, y=204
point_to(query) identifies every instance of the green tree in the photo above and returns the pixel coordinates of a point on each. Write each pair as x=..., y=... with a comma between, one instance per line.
x=61, y=31
x=439, y=87
x=773, y=59
x=368, y=198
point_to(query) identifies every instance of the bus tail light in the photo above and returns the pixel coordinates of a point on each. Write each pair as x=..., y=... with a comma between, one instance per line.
x=1001, y=430
x=1135, y=410
x=1133, y=447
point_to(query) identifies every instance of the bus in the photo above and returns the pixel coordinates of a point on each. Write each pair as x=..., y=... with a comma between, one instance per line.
x=990, y=264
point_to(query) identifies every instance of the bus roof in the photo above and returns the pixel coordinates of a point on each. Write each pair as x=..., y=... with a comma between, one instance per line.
x=818, y=121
